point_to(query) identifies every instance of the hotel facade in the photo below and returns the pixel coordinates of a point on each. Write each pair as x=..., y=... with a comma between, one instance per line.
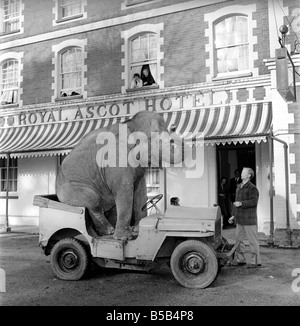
x=66, y=68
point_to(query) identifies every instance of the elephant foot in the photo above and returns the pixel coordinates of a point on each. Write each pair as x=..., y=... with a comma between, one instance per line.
x=135, y=229
x=122, y=235
x=108, y=230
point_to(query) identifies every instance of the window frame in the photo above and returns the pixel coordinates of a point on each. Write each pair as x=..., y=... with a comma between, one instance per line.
x=59, y=10
x=11, y=167
x=129, y=3
x=17, y=88
x=210, y=18
x=126, y=35
x=218, y=75
x=3, y=20
x=141, y=63
x=60, y=90
x=57, y=49
x=152, y=185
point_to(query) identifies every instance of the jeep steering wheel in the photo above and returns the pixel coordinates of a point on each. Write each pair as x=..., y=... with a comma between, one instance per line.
x=152, y=202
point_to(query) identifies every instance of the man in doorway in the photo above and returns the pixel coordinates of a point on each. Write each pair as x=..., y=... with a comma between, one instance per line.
x=244, y=213
x=234, y=182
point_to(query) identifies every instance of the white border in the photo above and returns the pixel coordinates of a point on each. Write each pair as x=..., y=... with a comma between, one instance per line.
x=56, y=49
x=21, y=22
x=127, y=35
x=246, y=10
x=69, y=20
x=17, y=56
x=124, y=6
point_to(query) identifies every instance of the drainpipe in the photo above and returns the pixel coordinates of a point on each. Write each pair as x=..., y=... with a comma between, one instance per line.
x=7, y=228
x=271, y=238
x=287, y=194
x=165, y=189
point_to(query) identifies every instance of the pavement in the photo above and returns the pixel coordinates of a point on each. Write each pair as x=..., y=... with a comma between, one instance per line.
x=30, y=280
x=30, y=229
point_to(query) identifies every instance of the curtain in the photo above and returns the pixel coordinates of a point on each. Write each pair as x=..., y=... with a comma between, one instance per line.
x=143, y=50
x=232, y=50
x=71, y=72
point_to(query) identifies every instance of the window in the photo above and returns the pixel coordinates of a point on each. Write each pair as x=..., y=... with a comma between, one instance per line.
x=9, y=83
x=152, y=181
x=143, y=59
x=9, y=16
x=231, y=45
x=69, y=8
x=70, y=79
x=12, y=175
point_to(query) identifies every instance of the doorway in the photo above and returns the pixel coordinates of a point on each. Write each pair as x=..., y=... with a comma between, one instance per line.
x=232, y=157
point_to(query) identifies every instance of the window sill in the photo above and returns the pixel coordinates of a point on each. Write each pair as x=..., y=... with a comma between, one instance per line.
x=129, y=3
x=61, y=20
x=68, y=98
x=232, y=76
x=144, y=88
x=7, y=106
x=12, y=195
x=10, y=33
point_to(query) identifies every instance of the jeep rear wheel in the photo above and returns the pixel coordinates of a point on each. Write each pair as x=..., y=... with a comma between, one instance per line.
x=194, y=264
x=69, y=259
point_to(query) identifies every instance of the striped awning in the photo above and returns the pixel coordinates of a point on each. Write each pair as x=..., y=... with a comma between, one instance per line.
x=49, y=139
x=225, y=124
x=217, y=125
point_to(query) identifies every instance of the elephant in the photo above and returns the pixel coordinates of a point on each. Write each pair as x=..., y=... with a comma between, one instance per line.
x=114, y=194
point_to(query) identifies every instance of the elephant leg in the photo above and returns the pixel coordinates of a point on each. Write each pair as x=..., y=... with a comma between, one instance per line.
x=124, y=205
x=103, y=227
x=111, y=216
x=139, y=200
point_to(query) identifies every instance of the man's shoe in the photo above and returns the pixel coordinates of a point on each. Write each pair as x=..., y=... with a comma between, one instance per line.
x=254, y=266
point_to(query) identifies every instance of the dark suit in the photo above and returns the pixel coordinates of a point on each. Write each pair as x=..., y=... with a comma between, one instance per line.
x=248, y=195
x=246, y=222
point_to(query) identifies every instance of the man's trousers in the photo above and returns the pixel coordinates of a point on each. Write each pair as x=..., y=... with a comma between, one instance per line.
x=251, y=232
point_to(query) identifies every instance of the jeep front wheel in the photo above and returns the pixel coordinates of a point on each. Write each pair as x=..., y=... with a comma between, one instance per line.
x=194, y=264
x=69, y=259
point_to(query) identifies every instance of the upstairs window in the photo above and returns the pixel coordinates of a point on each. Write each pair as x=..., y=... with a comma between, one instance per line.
x=9, y=82
x=9, y=16
x=12, y=177
x=143, y=60
x=70, y=8
x=231, y=45
x=70, y=79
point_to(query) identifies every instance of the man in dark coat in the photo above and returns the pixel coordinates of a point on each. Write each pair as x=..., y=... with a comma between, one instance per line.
x=245, y=215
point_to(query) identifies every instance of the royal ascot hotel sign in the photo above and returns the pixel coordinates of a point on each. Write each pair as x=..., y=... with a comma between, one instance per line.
x=105, y=109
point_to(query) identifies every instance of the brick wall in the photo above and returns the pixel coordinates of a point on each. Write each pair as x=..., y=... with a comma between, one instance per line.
x=292, y=20
x=184, y=46
x=295, y=149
